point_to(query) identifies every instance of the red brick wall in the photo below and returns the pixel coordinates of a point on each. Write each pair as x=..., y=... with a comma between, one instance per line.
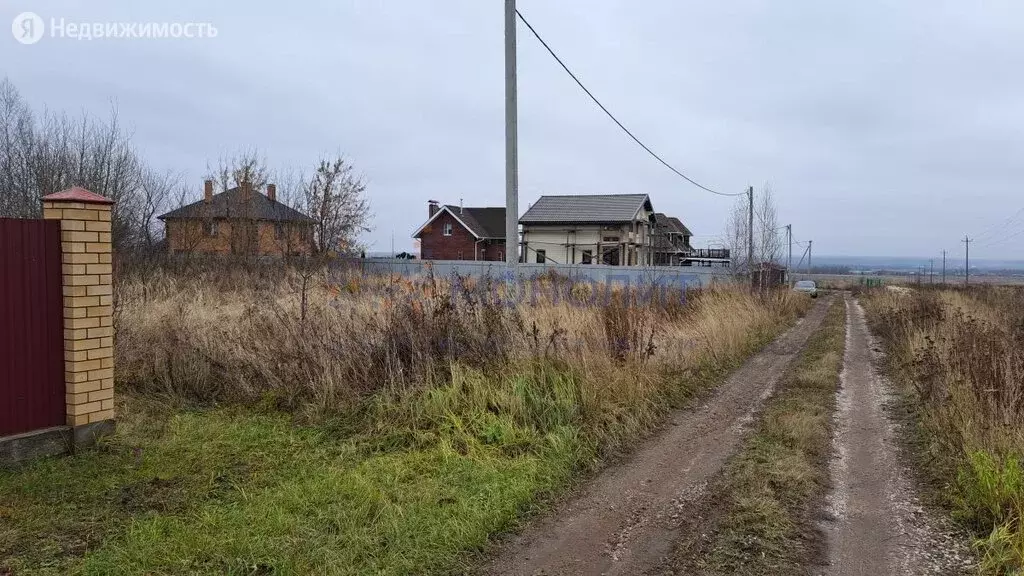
x=434, y=245
x=493, y=250
x=188, y=236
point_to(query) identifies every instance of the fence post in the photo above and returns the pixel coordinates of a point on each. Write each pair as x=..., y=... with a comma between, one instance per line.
x=88, y=309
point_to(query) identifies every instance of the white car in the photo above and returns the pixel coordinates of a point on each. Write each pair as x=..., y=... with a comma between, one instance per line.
x=807, y=287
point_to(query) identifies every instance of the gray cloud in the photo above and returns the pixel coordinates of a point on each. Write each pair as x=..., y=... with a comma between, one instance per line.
x=884, y=128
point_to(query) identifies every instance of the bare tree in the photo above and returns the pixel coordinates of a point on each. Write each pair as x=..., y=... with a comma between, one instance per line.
x=736, y=234
x=51, y=152
x=247, y=165
x=156, y=194
x=767, y=240
x=336, y=202
x=19, y=197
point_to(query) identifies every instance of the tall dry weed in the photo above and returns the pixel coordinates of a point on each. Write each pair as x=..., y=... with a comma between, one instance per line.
x=202, y=341
x=962, y=351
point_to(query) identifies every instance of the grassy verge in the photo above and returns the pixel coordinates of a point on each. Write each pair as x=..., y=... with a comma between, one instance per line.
x=405, y=479
x=957, y=357
x=760, y=515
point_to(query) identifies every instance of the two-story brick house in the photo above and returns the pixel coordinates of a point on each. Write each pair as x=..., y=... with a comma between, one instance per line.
x=238, y=221
x=462, y=233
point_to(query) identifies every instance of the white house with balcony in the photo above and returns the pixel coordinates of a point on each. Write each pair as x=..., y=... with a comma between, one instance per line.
x=614, y=229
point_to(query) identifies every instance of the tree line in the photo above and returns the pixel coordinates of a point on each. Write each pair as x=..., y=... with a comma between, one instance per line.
x=46, y=152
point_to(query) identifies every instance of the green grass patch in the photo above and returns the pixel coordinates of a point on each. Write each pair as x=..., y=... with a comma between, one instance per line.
x=761, y=508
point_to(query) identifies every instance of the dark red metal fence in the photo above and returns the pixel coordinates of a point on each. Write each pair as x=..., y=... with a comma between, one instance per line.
x=31, y=326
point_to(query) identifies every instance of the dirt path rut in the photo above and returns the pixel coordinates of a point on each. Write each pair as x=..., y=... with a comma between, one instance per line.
x=877, y=526
x=626, y=521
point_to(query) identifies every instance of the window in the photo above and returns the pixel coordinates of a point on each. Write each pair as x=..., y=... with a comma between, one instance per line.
x=210, y=228
x=541, y=256
x=278, y=230
x=610, y=239
x=447, y=229
x=587, y=257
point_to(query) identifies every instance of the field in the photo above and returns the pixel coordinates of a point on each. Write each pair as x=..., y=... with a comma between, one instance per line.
x=289, y=423
x=959, y=356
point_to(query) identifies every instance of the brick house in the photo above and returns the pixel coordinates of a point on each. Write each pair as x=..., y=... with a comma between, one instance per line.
x=462, y=233
x=238, y=221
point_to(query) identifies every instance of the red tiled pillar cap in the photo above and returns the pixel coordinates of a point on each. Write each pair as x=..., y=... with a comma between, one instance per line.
x=77, y=194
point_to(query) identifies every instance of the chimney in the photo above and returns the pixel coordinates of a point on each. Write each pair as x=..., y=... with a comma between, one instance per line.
x=246, y=190
x=432, y=208
x=272, y=192
x=207, y=190
x=460, y=205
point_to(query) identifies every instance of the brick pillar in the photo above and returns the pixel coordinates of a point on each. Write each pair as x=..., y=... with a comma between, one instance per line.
x=88, y=306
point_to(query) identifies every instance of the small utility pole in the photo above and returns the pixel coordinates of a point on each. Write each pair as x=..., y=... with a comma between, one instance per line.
x=931, y=271
x=511, y=141
x=789, y=263
x=943, y=267
x=810, y=246
x=750, y=228
x=967, y=259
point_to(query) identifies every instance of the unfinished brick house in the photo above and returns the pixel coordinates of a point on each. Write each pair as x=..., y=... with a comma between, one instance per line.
x=671, y=239
x=462, y=233
x=238, y=221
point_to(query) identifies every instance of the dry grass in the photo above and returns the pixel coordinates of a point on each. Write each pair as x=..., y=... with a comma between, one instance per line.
x=761, y=513
x=394, y=430
x=193, y=341
x=961, y=354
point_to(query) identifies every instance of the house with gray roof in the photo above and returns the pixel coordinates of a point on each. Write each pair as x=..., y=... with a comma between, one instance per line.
x=671, y=241
x=238, y=221
x=614, y=229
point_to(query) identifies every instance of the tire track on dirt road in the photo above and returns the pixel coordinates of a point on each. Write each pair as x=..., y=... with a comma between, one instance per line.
x=877, y=526
x=627, y=519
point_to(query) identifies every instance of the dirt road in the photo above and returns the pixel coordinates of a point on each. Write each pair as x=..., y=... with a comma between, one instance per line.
x=877, y=526
x=626, y=521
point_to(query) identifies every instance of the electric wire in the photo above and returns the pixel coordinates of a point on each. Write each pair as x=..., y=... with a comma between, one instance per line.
x=612, y=116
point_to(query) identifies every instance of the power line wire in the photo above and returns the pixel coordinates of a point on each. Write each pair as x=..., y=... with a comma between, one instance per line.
x=995, y=229
x=999, y=240
x=616, y=120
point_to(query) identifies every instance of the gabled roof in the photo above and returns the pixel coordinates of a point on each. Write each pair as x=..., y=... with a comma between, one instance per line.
x=586, y=209
x=680, y=226
x=232, y=204
x=482, y=222
x=671, y=224
x=665, y=225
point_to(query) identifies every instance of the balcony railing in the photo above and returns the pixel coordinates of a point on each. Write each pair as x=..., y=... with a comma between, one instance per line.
x=719, y=253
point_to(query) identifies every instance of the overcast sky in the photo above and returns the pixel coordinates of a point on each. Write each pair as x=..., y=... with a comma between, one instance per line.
x=884, y=128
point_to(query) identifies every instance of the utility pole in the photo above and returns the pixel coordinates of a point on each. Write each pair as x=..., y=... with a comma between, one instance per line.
x=943, y=267
x=931, y=271
x=789, y=263
x=750, y=228
x=967, y=259
x=810, y=246
x=511, y=141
